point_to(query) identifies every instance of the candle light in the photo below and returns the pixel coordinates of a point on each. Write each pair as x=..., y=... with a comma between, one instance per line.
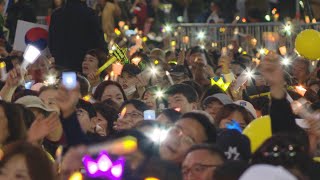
x=300, y=90
x=170, y=78
x=185, y=39
x=106, y=78
x=112, y=76
x=59, y=157
x=136, y=60
x=123, y=113
x=121, y=24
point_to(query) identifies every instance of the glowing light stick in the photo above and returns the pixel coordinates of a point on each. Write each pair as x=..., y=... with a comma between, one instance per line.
x=118, y=54
x=76, y=176
x=3, y=71
x=104, y=167
x=121, y=146
x=170, y=78
x=30, y=55
x=220, y=83
x=151, y=178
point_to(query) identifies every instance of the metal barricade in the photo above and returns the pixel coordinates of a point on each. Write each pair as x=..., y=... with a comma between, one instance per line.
x=221, y=35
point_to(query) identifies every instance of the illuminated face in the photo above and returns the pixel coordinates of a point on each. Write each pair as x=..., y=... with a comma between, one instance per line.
x=185, y=133
x=150, y=100
x=102, y=124
x=130, y=118
x=299, y=70
x=15, y=169
x=84, y=120
x=237, y=116
x=180, y=102
x=113, y=92
x=4, y=133
x=200, y=165
x=48, y=97
x=89, y=64
x=197, y=58
x=213, y=108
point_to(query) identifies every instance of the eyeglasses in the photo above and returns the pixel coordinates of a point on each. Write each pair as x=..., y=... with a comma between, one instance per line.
x=133, y=115
x=184, y=139
x=197, y=169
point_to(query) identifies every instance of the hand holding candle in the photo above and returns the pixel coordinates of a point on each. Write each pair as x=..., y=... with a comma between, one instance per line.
x=300, y=90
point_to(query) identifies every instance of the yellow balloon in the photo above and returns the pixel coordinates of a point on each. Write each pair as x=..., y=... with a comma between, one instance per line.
x=258, y=131
x=308, y=44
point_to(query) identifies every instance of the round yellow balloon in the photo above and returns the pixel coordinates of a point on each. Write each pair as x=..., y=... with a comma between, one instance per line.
x=258, y=131
x=308, y=44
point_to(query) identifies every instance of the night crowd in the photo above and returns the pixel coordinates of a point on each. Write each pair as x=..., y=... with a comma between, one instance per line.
x=157, y=111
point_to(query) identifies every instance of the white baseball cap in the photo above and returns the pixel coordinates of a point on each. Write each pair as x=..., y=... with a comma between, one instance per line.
x=249, y=107
x=267, y=172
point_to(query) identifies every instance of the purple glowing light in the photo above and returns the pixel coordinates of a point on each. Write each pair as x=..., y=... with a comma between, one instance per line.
x=116, y=170
x=104, y=167
x=104, y=163
x=92, y=167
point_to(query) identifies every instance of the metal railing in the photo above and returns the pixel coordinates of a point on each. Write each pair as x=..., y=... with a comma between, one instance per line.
x=41, y=20
x=221, y=35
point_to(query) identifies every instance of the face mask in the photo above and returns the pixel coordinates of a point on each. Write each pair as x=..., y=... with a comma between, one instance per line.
x=130, y=90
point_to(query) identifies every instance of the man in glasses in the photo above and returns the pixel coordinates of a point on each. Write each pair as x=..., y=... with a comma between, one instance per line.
x=192, y=128
x=201, y=161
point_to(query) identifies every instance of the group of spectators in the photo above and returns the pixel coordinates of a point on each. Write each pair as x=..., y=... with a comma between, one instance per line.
x=202, y=102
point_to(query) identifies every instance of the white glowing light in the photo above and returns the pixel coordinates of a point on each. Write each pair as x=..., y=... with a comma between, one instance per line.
x=301, y=4
x=286, y=61
x=168, y=28
x=31, y=54
x=51, y=80
x=267, y=17
x=202, y=47
x=287, y=27
x=249, y=74
x=158, y=135
x=159, y=94
x=154, y=70
x=262, y=51
x=201, y=35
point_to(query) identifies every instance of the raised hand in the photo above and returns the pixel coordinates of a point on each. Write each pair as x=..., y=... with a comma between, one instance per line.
x=41, y=128
x=15, y=77
x=67, y=100
x=272, y=71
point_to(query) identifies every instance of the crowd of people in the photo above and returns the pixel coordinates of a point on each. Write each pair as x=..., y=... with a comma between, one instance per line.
x=157, y=112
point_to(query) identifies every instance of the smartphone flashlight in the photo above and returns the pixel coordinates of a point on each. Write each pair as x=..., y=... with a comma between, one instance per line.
x=69, y=80
x=149, y=115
